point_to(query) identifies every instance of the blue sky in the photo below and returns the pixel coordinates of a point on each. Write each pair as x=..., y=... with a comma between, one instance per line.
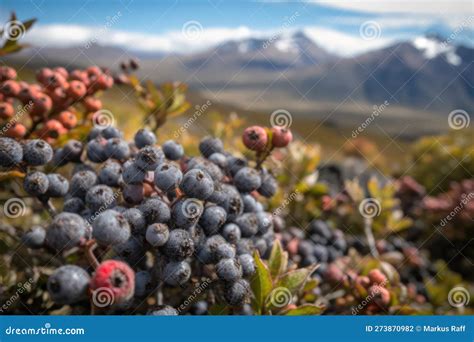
x=158, y=24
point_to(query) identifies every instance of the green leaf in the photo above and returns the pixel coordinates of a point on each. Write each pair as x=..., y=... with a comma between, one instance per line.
x=278, y=260
x=305, y=310
x=261, y=283
x=294, y=280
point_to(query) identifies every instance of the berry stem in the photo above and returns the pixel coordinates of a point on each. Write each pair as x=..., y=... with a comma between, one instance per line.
x=262, y=157
x=90, y=246
x=370, y=236
x=49, y=206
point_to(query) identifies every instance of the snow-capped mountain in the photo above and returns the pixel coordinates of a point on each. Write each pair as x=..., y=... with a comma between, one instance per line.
x=426, y=72
x=434, y=46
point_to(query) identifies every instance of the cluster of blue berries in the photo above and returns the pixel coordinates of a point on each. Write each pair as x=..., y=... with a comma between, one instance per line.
x=173, y=219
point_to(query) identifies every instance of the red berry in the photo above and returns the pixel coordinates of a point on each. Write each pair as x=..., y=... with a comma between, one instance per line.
x=7, y=73
x=115, y=277
x=76, y=89
x=334, y=274
x=68, y=119
x=79, y=75
x=281, y=136
x=92, y=104
x=42, y=104
x=43, y=75
x=10, y=88
x=6, y=110
x=380, y=294
x=16, y=131
x=26, y=93
x=55, y=81
x=377, y=277
x=255, y=138
x=62, y=71
x=52, y=130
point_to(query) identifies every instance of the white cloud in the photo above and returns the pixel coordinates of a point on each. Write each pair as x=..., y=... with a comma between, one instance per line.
x=178, y=42
x=344, y=44
x=434, y=7
x=175, y=41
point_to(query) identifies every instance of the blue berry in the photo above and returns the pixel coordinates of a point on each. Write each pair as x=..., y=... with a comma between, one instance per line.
x=155, y=211
x=68, y=284
x=264, y=222
x=172, y=150
x=235, y=164
x=250, y=204
x=74, y=205
x=321, y=228
x=111, y=132
x=58, y=185
x=207, y=166
x=143, y=284
x=231, y=232
x=65, y=231
x=179, y=245
x=144, y=137
x=157, y=234
x=199, y=308
x=229, y=269
x=117, y=148
x=269, y=185
x=11, y=152
x=225, y=251
x=248, y=224
x=219, y=159
x=72, y=151
x=34, y=238
x=100, y=197
x=212, y=219
x=176, y=273
x=186, y=212
x=36, y=183
x=247, y=179
x=133, y=193
x=37, y=152
x=210, y=145
x=248, y=264
x=207, y=251
x=167, y=177
x=231, y=202
x=81, y=182
x=197, y=184
x=149, y=158
x=110, y=228
x=111, y=173
x=136, y=220
x=236, y=293
x=96, y=150
x=131, y=173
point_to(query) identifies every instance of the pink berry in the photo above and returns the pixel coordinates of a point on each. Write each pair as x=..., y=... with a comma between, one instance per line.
x=377, y=277
x=115, y=277
x=282, y=136
x=255, y=138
